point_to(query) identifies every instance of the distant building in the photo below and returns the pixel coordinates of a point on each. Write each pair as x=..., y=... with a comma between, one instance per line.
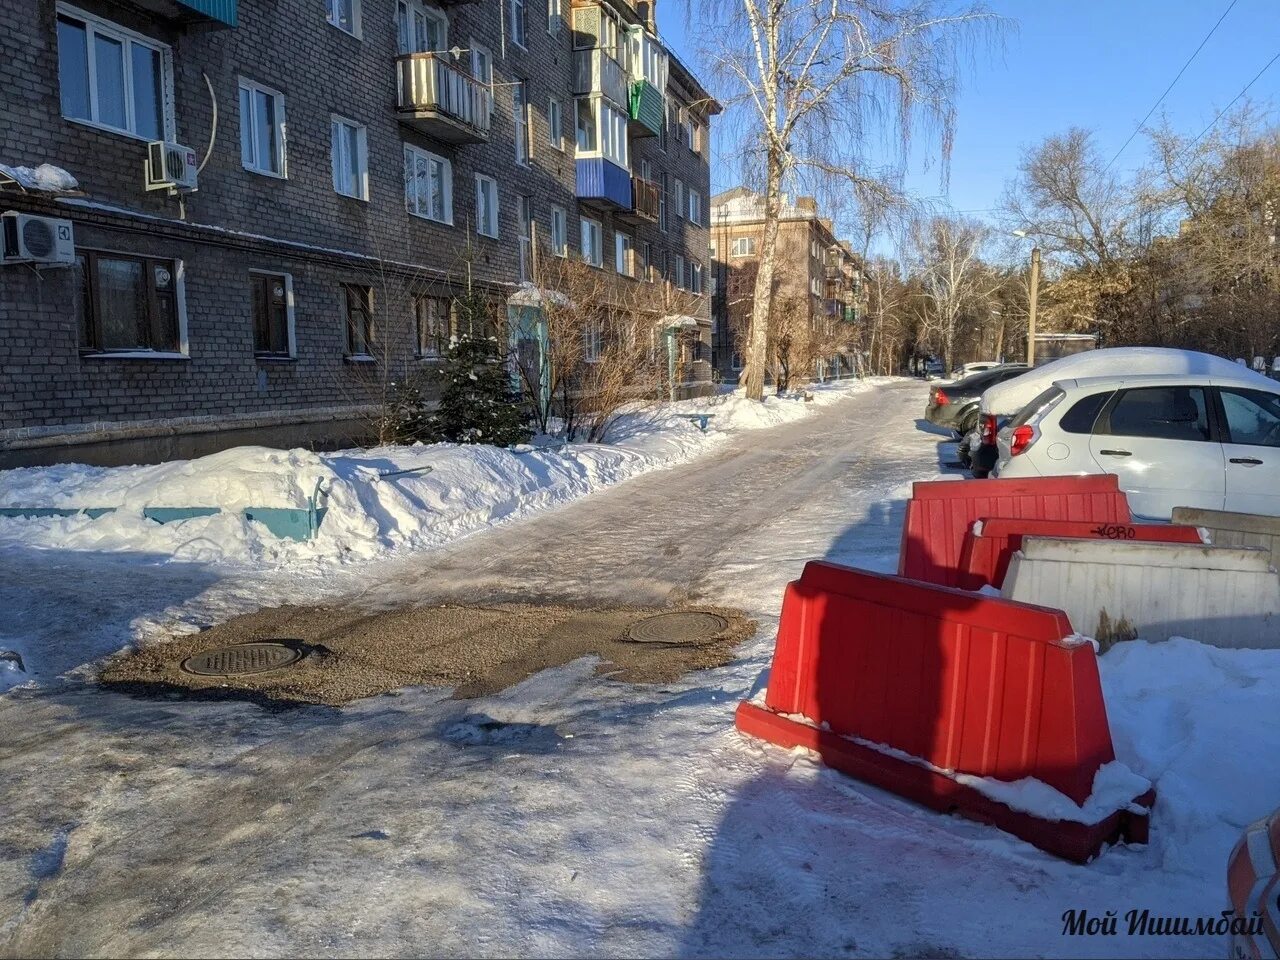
x=812, y=263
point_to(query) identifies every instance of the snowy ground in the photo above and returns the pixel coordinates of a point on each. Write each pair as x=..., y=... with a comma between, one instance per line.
x=594, y=817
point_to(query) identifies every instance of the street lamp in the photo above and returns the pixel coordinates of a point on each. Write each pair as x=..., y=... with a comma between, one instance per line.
x=1031, y=300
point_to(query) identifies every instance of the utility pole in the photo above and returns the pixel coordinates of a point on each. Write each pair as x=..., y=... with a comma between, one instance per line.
x=1031, y=306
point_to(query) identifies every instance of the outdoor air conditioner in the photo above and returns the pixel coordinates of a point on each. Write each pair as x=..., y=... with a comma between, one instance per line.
x=30, y=239
x=170, y=166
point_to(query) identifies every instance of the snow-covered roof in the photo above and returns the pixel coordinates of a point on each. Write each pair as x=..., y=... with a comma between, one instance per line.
x=1006, y=399
x=45, y=178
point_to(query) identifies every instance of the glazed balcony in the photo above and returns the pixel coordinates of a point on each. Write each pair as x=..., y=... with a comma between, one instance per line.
x=595, y=71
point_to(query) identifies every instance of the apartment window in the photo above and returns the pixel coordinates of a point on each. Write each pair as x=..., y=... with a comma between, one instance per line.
x=602, y=130
x=129, y=304
x=519, y=22
x=555, y=123
x=525, y=210
x=350, y=158
x=593, y=341
x=555, y=15
x=420, y=29
x=699, y=138
x=113, y=77
x=662, y=204
x=358, y=300
x=680, y=208
x=520, y=114
x=486, y=206
x=686, y=129
x=743, y=247
x=428, y=185
x=559, y=231
x=592, y=241
x=271, y=298
x=261, y=129
x=646, y=260
x=624, y=254
x=695, y=207
x=431, y=317
x=345, y=15
x=695, y=277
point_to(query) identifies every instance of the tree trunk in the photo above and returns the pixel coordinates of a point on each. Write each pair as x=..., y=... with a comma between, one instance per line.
x=762, y=302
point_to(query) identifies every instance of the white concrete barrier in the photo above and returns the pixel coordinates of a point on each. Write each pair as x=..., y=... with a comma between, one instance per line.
x=1235, y=529
x=1113, y=590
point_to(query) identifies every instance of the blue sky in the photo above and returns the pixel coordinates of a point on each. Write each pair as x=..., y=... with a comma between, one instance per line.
x=1090, y=63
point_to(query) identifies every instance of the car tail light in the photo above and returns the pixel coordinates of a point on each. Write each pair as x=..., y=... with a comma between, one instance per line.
x=989, y=429
x=1021, y=438
x=940, y=398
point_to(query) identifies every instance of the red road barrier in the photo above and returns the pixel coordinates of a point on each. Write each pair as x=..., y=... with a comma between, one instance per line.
x=940, y=511
x=985, y=553
x=959, y=682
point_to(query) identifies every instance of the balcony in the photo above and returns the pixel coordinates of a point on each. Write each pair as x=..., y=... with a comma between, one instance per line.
x=203, y=14
x=442, y=100
x=644, y=202
x=594, y=71
x=602, y=183
x=646, y=109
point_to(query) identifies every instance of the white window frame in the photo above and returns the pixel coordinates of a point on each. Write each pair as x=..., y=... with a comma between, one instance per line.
x=555, y=123
x=521, y=41
x=362, y=155
x=555, y=16
x=646, y=247
x=523, y=121
x=595, y=229
x=624, y=253
x=95, y=25
x=742, y=247
x=695, y=206
x=332, y=18
x=681, y=210
x=559, y=231
x=679, y=271
x=291, y=332
x=492, y=204
x=525, y=235
x=612, y=142
x=592, y=341
x=435, y=14
x=282, y=129
x=416, y=155
x=663, y=183
x=695, y=277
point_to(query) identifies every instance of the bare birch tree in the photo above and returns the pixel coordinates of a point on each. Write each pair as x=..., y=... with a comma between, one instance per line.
x=815, y=80
x=953, y=278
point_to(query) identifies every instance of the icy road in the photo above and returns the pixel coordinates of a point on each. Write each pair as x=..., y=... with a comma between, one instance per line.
x=570, y=814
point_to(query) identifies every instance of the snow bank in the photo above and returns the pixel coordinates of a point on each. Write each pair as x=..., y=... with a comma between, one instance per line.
x=440, y=492
x=1006, y=399
x=46, y=178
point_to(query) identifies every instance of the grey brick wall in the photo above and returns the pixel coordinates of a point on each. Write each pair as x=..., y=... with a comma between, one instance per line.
x=240, y=221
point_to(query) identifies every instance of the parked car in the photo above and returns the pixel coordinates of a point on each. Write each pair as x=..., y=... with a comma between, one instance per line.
x=934, y=369
x=969, y=369
x=1172, y=439
x=955, y=405
x=1253, y=887
x=1005, y=400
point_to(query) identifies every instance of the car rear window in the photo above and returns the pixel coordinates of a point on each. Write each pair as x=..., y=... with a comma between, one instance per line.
x=1039, y=405
x=1084, y=413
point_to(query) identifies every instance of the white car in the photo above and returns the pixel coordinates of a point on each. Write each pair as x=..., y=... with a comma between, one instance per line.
x=978, y=366
x=1173, y=439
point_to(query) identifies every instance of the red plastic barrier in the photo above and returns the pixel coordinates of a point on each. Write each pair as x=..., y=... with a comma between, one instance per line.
x=959, y=682
x=984, y=555
x=940, y=512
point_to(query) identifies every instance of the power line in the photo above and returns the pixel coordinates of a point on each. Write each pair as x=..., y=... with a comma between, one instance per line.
x=1232, y=103
x=1160, y=100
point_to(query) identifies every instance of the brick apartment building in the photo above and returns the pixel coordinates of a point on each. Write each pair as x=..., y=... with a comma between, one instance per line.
x=358, y=162
x=813, y=265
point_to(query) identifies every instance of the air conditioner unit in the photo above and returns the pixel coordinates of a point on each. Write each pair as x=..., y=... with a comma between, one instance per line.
x=29, y=239
x=170, y=166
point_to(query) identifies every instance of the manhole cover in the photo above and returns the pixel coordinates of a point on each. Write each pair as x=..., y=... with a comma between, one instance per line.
x=242, y=659
x=678, y=628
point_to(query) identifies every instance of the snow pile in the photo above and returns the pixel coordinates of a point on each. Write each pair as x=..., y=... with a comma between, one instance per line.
x=1114, y=787
x=1006, y=399
x=46, y=178
x=376, y=501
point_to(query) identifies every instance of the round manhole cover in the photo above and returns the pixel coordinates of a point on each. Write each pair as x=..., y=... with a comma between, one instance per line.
x=678, y=628
x=242, y=659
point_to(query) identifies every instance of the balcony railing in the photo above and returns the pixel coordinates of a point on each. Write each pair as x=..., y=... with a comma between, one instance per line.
x=441, y=99
x=594, y=71
x=644, y=200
